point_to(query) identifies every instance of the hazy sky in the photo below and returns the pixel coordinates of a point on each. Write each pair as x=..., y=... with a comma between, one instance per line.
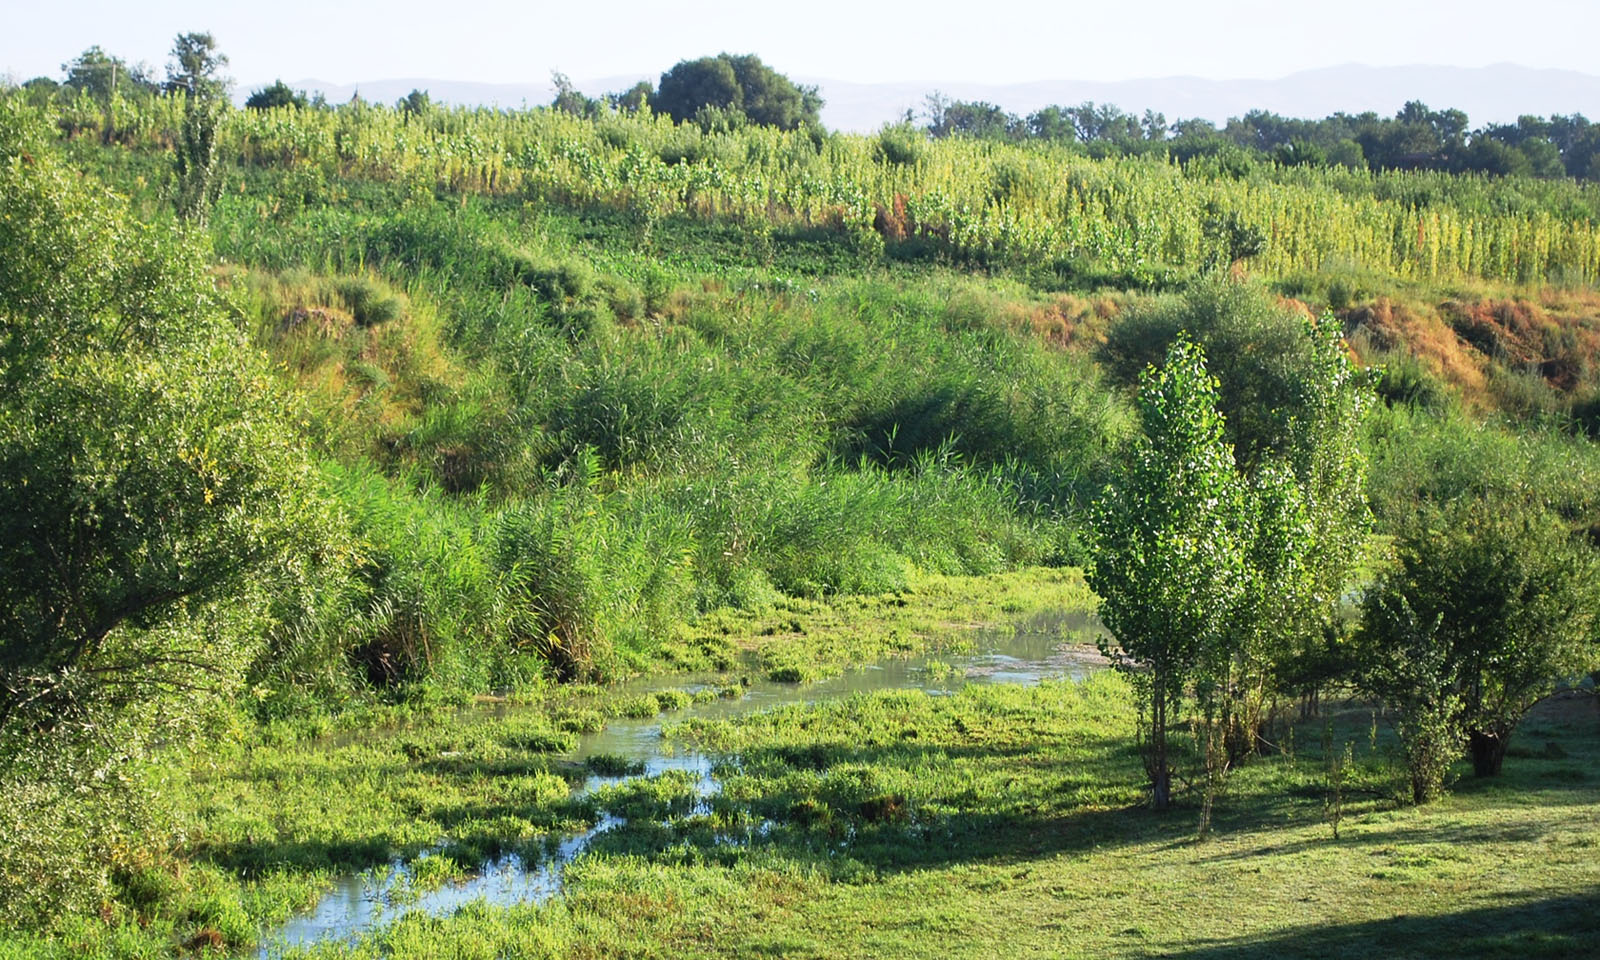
x=998, y=41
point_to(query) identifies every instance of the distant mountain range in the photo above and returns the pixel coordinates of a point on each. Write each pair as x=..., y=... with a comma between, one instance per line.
x=1498, y=93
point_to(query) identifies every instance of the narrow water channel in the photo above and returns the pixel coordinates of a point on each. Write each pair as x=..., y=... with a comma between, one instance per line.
x=1054, y=647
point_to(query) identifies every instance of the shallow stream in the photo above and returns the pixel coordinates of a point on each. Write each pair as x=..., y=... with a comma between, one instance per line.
x=1058, y=646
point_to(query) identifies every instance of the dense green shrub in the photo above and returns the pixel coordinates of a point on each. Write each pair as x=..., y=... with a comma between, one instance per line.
x=901, y=144
x=740, y=85
x=153, y=491
x=1495, y=601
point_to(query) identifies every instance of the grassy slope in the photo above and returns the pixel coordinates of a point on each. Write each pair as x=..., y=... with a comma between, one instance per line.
x=1010, y=818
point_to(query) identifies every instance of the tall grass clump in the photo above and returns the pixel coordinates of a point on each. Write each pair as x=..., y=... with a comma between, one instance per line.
x=598, y=585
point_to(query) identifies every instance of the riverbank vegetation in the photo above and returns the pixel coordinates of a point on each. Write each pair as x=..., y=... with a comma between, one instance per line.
x=395, y=410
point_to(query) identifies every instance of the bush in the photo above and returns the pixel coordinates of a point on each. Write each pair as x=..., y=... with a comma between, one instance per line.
x=1495, y=602
x=137, y=427
x=901, y=145
x=369, y=301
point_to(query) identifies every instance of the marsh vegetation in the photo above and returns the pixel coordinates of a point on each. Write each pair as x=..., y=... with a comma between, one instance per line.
x=601, y=530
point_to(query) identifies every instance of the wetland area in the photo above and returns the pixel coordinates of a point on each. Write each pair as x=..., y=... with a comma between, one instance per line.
x=1054, y=646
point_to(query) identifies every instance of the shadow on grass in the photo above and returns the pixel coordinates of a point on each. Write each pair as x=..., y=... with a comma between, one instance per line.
x=847, y=808
x=851, y=809
x=1564, y=926
x=839, y=809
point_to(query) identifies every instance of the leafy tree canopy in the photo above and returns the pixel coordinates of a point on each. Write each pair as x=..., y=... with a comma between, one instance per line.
x=196, y=66
x=279, y=94
x=1494, y=602
x=98, y=74
x=740, y=84
x=1168, y=556
x=147, y=469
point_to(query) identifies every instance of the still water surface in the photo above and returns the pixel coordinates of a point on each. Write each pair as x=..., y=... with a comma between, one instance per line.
x=1058, y=646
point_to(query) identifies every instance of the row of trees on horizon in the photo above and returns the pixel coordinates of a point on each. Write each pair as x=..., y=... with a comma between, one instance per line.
x=727, y=91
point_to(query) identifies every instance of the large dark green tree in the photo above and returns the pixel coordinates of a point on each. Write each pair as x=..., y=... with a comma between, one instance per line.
x=196, y=65
x=740, y=85
x=278, y=95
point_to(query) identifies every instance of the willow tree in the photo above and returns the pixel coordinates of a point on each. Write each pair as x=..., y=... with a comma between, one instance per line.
x=152, y=492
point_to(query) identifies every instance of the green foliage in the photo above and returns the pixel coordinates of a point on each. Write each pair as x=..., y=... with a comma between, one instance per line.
x=1232, y=237
x=430, y=603
x=1403, y=662
x=154, y=490
x=196, y=163
x=415, y=104
x=902, y=145
x=1213, y=567
x=1293, y=406
x=195, y=73
x=1124, y=216
x=738, y=85
x=112, y=334
x=601, y=588
x=101, y=76
x=1265, y=357
x=1420, y=459
x=278, y=96
x=594, y=393
x=1167, y=553
x=74, y=808
x=1494, y=603
x=196, y=67
x=369, y=302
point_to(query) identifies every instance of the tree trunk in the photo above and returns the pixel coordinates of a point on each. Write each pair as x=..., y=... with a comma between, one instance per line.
x=1161, y=790
x=1488, y=752
x=1156, y=764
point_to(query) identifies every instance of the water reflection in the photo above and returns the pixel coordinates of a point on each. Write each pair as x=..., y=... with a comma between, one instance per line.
x=1057, y=646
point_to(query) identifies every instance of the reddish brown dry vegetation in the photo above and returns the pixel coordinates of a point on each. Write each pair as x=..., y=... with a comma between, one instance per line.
x=1529, y=336
x=895, y=223
x=1555, y=334
x=1065, y=321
